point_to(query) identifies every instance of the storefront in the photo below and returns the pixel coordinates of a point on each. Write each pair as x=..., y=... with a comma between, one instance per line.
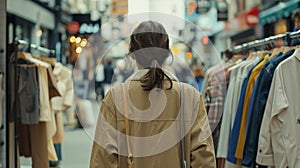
x=240, y=29
x=37, y=26
x=276, y=18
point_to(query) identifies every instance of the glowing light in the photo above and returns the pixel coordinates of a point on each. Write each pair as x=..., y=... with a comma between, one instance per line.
x=188, y=55
x=175, y=50
x=39, y=32
x=72, y=39
x=78, y=50
x=78, y=39
x=205, y=40
x=83, y=43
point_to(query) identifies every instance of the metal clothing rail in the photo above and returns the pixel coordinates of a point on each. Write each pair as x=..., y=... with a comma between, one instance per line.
x=33, y=46
x=295, y=34
x=264, y=41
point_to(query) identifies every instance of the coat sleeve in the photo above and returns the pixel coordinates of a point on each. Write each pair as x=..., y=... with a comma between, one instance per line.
x=104, y=150
x=202, y=148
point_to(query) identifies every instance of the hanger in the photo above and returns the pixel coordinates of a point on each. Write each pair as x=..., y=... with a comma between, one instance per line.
x=262, y=54
x=274, y=44
x=51, y=61
x=235, y=58
x=289, y=48
x=28, y=57
x=252, y=55
x=27, y=65
x=275, y=51
x=22, y=55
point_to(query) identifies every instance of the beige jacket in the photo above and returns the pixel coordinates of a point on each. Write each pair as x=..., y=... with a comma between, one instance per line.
x=109, y=146
x=65, y=88
x=279, y=139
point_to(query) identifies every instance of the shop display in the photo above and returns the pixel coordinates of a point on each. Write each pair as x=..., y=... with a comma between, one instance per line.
x=36, y=83
x=258, y=107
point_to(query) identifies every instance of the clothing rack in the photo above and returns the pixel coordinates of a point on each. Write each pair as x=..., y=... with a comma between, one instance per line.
x=257, y=43
x=17, y=43
x=34, y=46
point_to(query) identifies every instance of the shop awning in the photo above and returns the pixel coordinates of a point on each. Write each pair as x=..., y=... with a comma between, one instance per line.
x=282, y=9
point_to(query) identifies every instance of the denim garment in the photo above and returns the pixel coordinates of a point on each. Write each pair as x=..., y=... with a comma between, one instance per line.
x=233, y=140
x=257, y=107
x=27, y=109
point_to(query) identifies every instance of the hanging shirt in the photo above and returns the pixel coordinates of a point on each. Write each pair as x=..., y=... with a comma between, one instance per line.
x=44, y=102
x=257, y=106
x=279, y=138
x=230, y=107
x=237, y=121
x=215, y=92
x=27, y=102
x=225, y=125
x=250, y=85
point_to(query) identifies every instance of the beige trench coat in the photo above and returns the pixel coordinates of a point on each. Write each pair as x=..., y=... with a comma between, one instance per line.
x=108, y=145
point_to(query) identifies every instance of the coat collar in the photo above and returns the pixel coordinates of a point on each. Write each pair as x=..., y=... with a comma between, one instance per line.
x=140, y=73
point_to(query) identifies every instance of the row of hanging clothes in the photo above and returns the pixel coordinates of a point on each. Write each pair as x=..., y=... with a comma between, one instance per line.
x=252, y=101
x=40, y=90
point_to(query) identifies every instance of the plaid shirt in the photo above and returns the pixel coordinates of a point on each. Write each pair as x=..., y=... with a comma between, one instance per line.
x=215, y=93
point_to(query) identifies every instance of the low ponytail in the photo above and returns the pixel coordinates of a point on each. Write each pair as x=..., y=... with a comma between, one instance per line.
x=149, y=43
x=155, y=78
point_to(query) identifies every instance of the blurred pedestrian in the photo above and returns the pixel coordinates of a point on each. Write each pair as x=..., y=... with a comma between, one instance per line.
x=149, y=46
x=198, y=79
x=108, y=74
x=296, y=20
x=99, y=79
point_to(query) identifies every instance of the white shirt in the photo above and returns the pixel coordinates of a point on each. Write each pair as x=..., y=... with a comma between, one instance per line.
x=279, y=139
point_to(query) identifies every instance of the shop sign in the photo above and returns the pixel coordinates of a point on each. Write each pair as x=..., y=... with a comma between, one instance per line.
x=86, y=26
x=191, y=6
x=89, y=28
x=119, y=7
x=73, y=27
x=222, y=11
x=203, y=6
x=252, y=17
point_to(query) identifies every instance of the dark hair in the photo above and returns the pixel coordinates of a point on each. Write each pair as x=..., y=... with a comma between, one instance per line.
x=150, y=44
x=296, y=14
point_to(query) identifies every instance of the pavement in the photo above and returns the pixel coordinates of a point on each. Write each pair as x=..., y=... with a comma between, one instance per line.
x=76, y=149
